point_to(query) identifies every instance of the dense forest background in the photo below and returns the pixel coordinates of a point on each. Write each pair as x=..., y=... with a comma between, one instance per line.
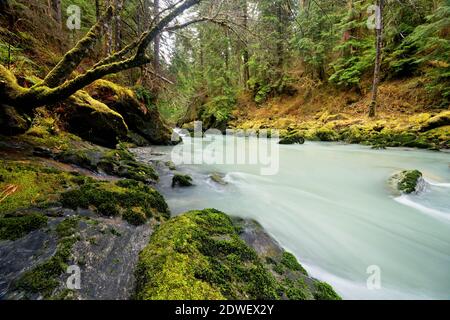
x=222, y=60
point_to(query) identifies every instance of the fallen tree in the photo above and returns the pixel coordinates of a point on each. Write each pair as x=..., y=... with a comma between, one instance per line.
x=58, y=85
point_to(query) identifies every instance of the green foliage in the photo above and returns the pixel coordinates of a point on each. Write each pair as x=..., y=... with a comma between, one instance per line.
x=12, y=228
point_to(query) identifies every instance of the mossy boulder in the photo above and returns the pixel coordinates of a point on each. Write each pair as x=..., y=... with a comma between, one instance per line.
x=133, y=200
x=200, y=256
x=407, y=181
x=93, y=120
x=218, y=178
x=141, y=116
x=440, y=120
x=292, y=138
x=181, y=180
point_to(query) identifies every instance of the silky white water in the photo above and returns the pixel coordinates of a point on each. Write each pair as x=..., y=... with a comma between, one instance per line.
x=331, y=206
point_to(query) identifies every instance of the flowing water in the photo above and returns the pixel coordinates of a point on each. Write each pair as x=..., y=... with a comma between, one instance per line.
x=330, y=205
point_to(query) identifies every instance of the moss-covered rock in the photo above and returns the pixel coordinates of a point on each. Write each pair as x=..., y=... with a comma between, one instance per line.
x=92, y=120
x=292, y=138
x=12, y=228
x=133, y=200
x=407, y=181
x=140, y=116
x=182, y=180
x=440, y=120
x=200, y=255
x=43, y=279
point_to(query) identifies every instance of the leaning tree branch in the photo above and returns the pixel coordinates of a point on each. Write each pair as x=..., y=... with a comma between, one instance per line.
x=73, y=58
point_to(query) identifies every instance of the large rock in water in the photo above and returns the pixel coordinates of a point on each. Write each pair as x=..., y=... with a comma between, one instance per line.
x=204, y=255
x=408, y=181
x=93, y=120
x=141, y=119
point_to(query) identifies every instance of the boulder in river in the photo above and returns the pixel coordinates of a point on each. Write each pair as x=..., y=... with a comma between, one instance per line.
x=292, y=138
x=407, y=181
x=182, y=180
x=217, y=178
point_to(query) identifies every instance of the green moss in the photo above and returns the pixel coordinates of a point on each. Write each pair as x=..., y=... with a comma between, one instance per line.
x=296, y=289
x=199, y=255
x=290, y=262
x=135, y=216
x=181, y=180
x=122, y=163
x=112, y=199
x=29, y=185
x=323, y=291
x=408, y=180
x=292, y=138
x=44, y=278
x=12, y=228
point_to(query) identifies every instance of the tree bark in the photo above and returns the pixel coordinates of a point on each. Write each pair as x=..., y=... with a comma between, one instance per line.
x=157, y=44
x=379, y=46
x=245, y=54
x=118, y=5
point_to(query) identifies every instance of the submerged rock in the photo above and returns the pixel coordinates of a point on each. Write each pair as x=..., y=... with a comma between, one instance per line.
x=207, y=255
x=182, y=180
x=218, y=178
x=407, y=181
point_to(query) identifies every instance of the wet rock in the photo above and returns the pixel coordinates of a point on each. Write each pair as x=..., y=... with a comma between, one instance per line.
x=293, y=138
x=181, y=180
x=217, y=178
x=408, y=181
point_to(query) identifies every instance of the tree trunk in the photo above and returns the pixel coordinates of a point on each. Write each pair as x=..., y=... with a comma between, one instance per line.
x=118, y=25
x=379, y=46
x=245, y=54
x=108, y=32
x=157, y=44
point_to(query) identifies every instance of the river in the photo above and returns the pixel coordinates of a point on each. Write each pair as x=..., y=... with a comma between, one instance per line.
x=331, y=206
